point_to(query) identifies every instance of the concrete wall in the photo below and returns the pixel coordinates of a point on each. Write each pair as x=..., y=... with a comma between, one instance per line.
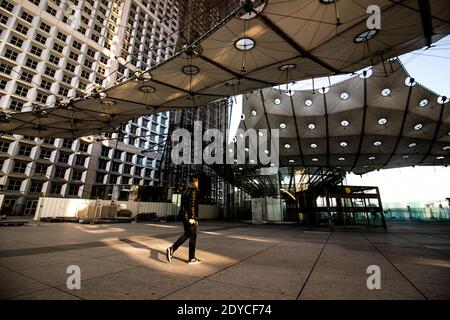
x=69, y=208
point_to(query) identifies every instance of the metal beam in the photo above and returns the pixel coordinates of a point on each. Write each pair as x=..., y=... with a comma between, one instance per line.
x=295, y=45
x=327, y=128
x=361, y=138
x=296, y=130
x=405, y=114
x=427, y=23
x=436, y=132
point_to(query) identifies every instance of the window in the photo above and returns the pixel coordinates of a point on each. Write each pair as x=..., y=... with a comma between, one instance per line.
x=61, y=36
x=11, y=54
x=27, y=17
x=73, y=190
x=14, y=185
x=49, y=71
x=76, y=45
x=3, y=19
x=129, y=157
x=77, y=175
x=60, y=172
x=25, y=150
x=83, y=147
x=79, y=160
x=115, y=166
x=53, y=59
x=102, y=164
x=67, y=143
x=63, y=91
x=51, y=11
x=36, y=51
x=40, y=38
x=73, y=56
x=31, y=63
x=41, y=97
x=16, y=105
x=105, y=151
x=21, y=28
x=100, y=177
x=6, y=5
x=5, y=68
x=40, y=170
x=57, y=47
x=36, y=186
x=21, y=91
x=3, y=84
x=70, y=67
x=45, y=154
x=46, y=84
x=63, y=157
x=20, y=167
x=45, y=27
x=117, y=154
x=56, y=188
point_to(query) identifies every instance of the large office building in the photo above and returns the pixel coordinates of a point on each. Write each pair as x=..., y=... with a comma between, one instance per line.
x=55, y=50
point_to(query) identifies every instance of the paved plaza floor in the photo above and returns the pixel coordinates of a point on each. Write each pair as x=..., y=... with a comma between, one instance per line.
x=240, y=261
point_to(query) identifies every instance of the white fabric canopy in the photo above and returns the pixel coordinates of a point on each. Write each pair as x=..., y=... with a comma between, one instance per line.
x=279, y=42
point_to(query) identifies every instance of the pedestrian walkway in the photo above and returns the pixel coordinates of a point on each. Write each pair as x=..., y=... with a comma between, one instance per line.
x=240, y=261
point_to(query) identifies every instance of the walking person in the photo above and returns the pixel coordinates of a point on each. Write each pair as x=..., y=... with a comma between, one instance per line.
x=189, y=215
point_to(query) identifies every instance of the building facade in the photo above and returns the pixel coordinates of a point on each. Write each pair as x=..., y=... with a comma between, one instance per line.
x=51, y=50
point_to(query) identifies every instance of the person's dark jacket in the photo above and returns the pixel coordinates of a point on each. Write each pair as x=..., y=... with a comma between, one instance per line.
x=189, y=203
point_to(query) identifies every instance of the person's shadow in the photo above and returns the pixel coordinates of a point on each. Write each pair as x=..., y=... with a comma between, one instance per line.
x=154, y=254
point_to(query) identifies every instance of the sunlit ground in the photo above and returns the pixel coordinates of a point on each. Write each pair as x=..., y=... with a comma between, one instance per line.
x=240, y=261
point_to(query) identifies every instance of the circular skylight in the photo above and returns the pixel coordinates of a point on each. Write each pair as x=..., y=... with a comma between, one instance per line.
x=385, y=92
x=377, y=143
x=308, y=103
x=405, y=157
x=382, y=121
x=371, y=158
x=287, y=146
x=366, y=74
x=442, y=100
x=266, y=151
x=311, y=126
x=343, y=144
x=241, y=135
x=253, y=113
x=244, y=44
x=242, y=116
x=283, y=125
x=418, y=126
x=290, y=93
x=410, y=82
x=327, y=1
x=260, y=134
x=344, y=95
x=446, y=148
x=412, y=145
x=313, y=145
x=324, y=90
x=190, y=70
x=103, y=95
x=440, y=158
x=147, y=89
x=345, y=123
x=423, y=103
x=448, y=133
x=365, y=35
x=315, y=159
x=291, y=161
x=247, y=149
x=277, y=101
x=341, y=159
x=286, y=67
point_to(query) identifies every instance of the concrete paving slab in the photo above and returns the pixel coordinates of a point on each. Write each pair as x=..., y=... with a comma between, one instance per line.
x=213, y=290
x=14, y=284
x=137, y=284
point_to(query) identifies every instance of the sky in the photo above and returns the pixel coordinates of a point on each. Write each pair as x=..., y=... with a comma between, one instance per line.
x=431, y=68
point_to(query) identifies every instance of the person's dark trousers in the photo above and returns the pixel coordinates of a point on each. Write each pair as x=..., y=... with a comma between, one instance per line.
x=190, y=231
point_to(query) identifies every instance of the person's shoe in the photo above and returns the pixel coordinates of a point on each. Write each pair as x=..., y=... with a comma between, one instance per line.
x=194, y=261
x=169, y=254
